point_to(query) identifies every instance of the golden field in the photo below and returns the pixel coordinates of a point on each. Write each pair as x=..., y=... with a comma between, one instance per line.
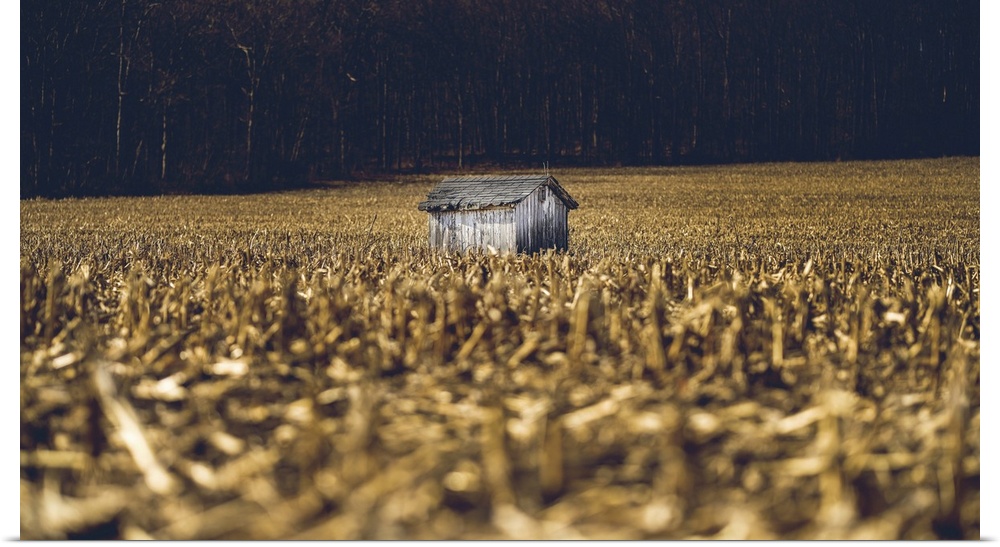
x=772, y=351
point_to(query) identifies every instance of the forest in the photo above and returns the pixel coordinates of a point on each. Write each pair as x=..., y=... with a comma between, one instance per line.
x=192, y=96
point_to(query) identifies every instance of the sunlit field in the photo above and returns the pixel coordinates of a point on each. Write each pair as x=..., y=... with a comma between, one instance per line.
x=770, y=351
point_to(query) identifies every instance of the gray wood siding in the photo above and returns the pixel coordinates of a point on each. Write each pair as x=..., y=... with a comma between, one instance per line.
x=541, y=220
x=477, y=228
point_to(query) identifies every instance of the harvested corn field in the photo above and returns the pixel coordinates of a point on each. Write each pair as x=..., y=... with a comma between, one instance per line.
x=786, y=351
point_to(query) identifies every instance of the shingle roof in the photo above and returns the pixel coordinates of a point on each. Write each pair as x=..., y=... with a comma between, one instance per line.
x=478, y=192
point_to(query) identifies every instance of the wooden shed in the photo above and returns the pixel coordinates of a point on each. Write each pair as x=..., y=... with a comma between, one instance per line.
x=522, y=213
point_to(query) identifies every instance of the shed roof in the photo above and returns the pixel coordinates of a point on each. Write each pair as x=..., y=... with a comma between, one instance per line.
x=479, y=192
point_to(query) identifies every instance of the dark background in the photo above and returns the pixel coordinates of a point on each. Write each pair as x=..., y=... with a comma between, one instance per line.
x=144, y=96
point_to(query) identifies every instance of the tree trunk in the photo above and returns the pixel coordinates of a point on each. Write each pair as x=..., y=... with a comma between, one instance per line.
x=461, y=128
x=163, y=147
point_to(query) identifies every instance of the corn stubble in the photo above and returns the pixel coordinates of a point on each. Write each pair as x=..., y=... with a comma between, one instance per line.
x=786, y=352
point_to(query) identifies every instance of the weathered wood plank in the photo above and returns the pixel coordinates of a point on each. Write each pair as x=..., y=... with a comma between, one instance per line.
x=470, y=229
x=541, y=221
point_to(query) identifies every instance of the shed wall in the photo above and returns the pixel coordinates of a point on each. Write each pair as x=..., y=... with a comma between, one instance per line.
x=477, y=228
x=541, y=220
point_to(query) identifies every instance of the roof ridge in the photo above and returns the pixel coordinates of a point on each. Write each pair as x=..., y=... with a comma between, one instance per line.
x=493, y=176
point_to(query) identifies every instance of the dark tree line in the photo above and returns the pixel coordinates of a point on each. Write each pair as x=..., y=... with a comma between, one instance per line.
x=145, y=96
